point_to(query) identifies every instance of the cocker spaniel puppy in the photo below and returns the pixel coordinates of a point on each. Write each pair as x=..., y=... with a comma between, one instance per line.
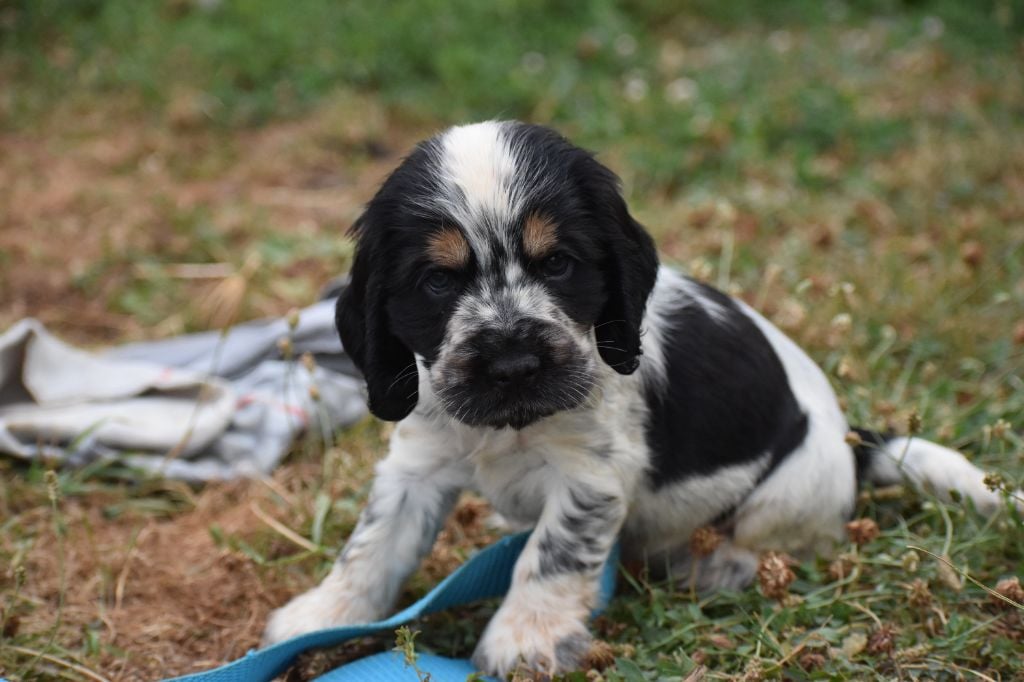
x=508, y=311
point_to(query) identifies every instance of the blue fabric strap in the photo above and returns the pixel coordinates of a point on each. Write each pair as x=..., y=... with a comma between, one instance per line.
x=486, y=575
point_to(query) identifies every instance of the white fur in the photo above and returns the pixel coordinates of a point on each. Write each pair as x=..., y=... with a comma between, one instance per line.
x=933, y=468
x=484, y=189
x=818, y=475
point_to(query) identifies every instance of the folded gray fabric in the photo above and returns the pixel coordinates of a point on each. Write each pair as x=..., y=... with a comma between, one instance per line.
x=246, y=345
x=197, y=407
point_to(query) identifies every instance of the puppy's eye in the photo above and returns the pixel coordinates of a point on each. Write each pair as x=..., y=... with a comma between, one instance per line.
x=439, y=283
x=556, y=266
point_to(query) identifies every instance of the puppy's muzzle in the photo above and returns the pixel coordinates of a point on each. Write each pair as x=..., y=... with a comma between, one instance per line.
x=515, y=376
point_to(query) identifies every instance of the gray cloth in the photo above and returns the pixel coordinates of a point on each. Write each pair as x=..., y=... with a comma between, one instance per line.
x=197, y=407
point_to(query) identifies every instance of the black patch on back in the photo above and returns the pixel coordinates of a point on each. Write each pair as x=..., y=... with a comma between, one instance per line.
x=725, y=399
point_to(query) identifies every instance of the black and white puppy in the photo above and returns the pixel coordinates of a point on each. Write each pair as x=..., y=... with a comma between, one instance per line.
x=511, y=314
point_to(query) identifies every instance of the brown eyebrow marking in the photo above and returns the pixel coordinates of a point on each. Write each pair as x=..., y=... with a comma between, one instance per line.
x=539, y=236
x=448, y=248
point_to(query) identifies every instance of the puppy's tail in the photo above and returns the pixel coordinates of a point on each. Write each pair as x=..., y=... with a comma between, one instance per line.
x=887, y=460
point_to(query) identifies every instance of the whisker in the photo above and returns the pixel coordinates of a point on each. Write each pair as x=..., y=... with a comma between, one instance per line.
x=407, y=371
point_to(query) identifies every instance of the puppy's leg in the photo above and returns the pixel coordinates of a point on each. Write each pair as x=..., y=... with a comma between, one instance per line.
x=414, y=489
x=542, y=622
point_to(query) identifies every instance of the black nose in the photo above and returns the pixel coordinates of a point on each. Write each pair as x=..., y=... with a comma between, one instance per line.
x=515, y=367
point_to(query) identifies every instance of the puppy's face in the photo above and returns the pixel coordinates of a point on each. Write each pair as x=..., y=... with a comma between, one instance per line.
x=503, y=257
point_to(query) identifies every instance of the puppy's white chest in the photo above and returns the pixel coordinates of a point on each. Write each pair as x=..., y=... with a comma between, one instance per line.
x=513, y=473
x=517, y=470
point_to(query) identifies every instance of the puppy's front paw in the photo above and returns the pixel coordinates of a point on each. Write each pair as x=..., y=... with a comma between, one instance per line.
x=542, y=642
x=317, y=609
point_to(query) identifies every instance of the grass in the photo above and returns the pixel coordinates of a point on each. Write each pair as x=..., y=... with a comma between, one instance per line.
x=856, y=172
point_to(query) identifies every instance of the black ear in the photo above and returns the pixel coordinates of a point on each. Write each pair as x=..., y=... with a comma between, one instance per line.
x=631, y=268
x=361, y=318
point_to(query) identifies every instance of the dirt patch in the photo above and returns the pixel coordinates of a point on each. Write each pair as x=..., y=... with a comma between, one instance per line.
x=161, y=591
x=170, y=596
x=86, y=215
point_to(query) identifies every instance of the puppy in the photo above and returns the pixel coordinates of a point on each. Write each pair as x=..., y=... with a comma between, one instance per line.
x=508, y=311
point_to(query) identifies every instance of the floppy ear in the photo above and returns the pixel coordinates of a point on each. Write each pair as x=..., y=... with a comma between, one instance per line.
x=631, y=265
x=361, y=318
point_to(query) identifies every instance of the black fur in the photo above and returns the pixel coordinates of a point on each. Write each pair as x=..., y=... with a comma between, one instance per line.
x=581, y=191
x=386, y=315
x=378, y=329
x=866, y=450
x=725, y=397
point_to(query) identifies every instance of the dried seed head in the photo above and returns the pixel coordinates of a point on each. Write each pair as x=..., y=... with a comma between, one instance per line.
x=701, y=269
x=972, y=253
x=918, y=594
x=293, y=318
x=308, y=361
x=1011, y=589
x=862, y=531
x=842, y=323
x=839, y=329
x=914, y=422
x=913, y=653
x=845, y=368
x=52, y=486
x=1000, y=429
x=994, y=482
x=625, y=650
x=705, y=540
x=791, y=314
x=285, y=347
x=599, y=656
x=883, y=639
x=720, y=641
x=314, y=393
x=853, y=439
x=853, y=644
x=842, y=567
x=753, y=671
x=910, y=561
x=774, y=575
x=811, y=660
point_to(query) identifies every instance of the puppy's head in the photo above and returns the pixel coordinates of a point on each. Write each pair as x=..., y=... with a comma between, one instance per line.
x=504, y=258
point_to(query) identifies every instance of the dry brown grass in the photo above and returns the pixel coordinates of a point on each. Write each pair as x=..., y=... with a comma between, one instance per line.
x=87, y=203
